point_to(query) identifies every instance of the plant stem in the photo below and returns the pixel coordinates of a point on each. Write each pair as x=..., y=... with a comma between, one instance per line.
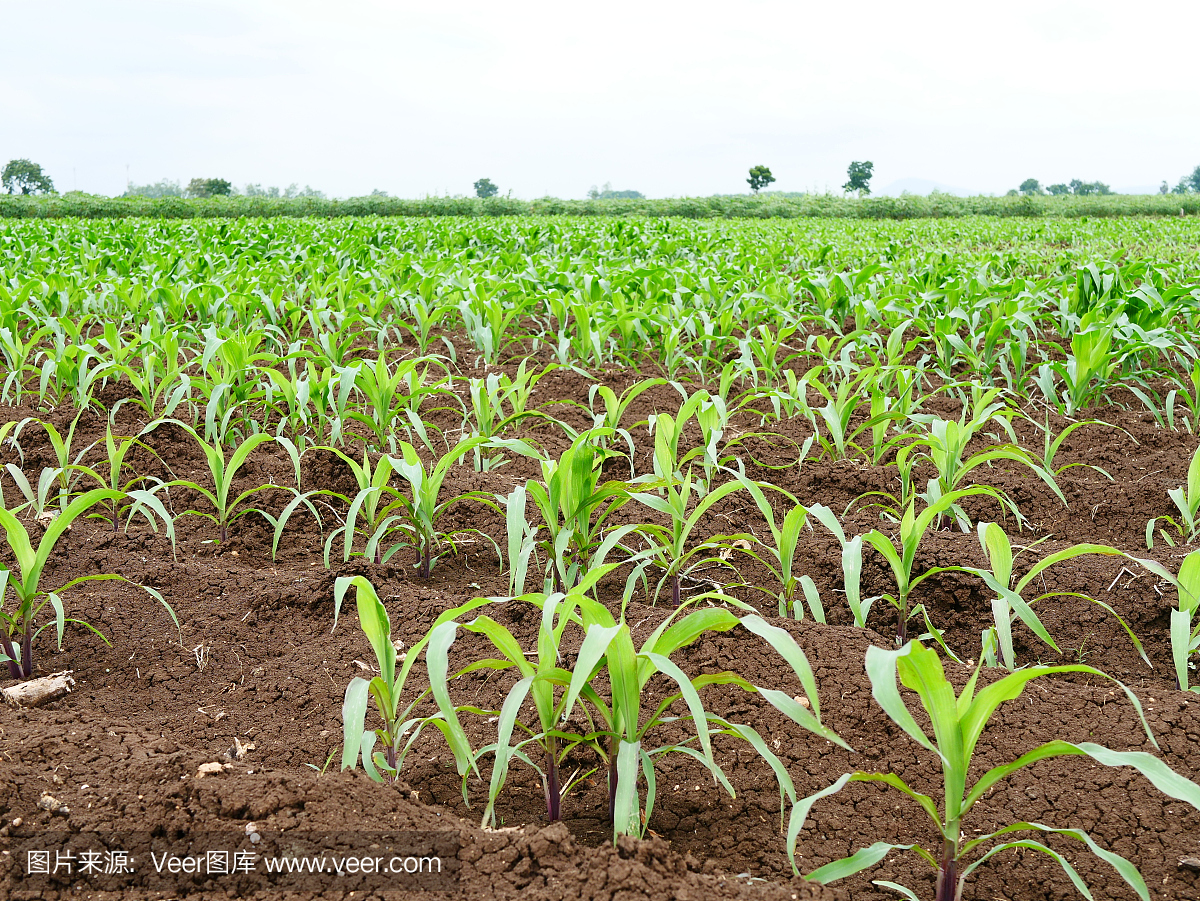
x=553, y=793
x=612, y=780
x=947, y=880
x=14, y=668
x=675, y=598
x=391, y=759
x=27, y=650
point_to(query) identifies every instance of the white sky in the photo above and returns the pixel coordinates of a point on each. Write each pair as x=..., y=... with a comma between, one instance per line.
x=550, y=98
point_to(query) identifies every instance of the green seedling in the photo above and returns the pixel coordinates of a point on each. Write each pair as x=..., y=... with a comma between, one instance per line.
x=1009, y=599
x=401, y=728
x=902, y=557
x=1187, y=502
x=779, y=557
x=112, y=474
x=945, y=448
x=1185, y=637
x=671, y=549
x=619, y=717
x=19, y=624
x=574, y=505
x=958, y=721
x=223, y=471
x=421, y=505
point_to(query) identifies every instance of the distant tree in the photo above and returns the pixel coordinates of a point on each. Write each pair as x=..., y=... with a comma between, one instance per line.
x=1030, y=186
x=1194, y=179
x=760, y=177
x=26, y=177
x=1012, y=192
x=1183, y=187
x=607, y=193
x=1059, y=189
x=209, y=187
x=257, y=190
x=161, y=188
x=1085, y=188
x=860, y=178
x=1164, y=188
x=485, y=188
x=375, y=192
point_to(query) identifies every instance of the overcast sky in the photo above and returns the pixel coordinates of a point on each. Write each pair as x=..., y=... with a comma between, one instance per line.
x=670, y=99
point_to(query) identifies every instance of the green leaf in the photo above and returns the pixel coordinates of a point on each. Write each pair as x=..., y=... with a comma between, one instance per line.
x=895, y=887
x=354, y=717
x=881, y=668
x=595, y=645
x=783, y=643
x=1160, y=775
x=800, y=814
x=504, y=727
x=626, y=820
x=855, y=863
x=440, y=639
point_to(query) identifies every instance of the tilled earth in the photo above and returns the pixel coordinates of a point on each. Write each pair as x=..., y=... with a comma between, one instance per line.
x=254, y=680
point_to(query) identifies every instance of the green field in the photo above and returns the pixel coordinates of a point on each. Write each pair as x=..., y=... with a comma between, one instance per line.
x=670, y=440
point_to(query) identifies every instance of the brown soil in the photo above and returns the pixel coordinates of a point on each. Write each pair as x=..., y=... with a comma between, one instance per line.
x=256, y=661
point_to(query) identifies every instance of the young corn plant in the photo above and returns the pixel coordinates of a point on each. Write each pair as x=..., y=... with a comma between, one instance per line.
x=574, y=505
x=608, y=417
x=958, y=721
x=1087, y=373
x=668, y=431
x=608, y=685
x=619, y=717
x=522, y=538
x=1185, y=637
x=112, y=474
x=945, y=448
x=421, y=316
x=20, y=350
x=779, y=557
x=1187, y=502
x=843, y=399
x=396, y=393
x=66, y=472
x=852, y=560
x=542, y=679
x=1052, y=443
x=902, y=558
x=401, y=728
x=1009, y=599
x=421, y=505
x=488, y=396
x=669, y=550
x=374, y=512
x=226, y=509
x=18, y=625
x=160, y=383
